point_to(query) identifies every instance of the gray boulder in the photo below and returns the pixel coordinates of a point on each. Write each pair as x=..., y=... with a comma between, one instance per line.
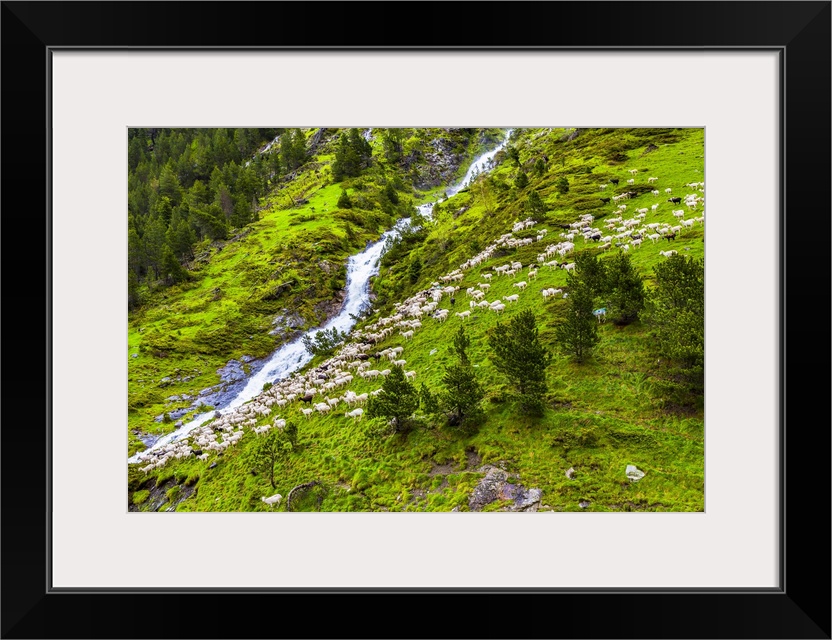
x=634, y=473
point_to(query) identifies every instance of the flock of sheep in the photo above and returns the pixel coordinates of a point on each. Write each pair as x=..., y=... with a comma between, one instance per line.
x=353, y=359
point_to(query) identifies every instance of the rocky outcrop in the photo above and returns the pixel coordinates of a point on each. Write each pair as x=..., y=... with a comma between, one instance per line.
x=496, y=486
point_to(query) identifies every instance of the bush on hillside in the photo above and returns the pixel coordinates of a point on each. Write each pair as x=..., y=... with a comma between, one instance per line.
x=519, y=355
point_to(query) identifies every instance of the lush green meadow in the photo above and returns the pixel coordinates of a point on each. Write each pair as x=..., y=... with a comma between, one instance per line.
x=608, y=412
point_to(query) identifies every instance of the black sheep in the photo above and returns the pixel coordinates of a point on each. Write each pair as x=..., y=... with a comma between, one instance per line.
x=605, y=200
x=674, y=200
x=615, y=180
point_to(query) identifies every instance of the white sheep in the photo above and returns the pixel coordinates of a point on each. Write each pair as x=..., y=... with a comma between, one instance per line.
x=521, y=285
x=464, y=314
x=355, y=414
x=272, y=500
x=410, y=374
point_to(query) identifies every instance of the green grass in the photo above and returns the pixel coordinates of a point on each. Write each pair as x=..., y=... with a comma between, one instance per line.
x=600, y=416
x=237, y=287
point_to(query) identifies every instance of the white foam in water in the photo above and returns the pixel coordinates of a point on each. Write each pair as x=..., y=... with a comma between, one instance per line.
x=293, y=355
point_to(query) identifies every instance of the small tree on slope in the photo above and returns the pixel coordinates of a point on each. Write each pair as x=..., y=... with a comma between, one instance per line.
x=275, y=445
x=677, y=310
x=518, y=354
x=624, y=289
x=461, y=398
x=578, y=333
x=397, y=403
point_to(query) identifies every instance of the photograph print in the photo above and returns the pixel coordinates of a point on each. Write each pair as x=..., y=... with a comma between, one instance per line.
x=415, y=320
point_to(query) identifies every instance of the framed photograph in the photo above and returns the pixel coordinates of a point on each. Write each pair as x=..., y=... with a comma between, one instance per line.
x=560, y=120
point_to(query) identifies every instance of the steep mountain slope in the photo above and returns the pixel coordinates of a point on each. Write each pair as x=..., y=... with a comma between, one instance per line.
x=280, y=274
x=612, y=411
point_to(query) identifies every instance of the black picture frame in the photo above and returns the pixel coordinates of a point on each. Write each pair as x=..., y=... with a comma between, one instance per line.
x=800, y=608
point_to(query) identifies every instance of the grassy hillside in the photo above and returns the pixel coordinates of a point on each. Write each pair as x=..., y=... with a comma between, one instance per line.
x=600, y=416
x=279, y=274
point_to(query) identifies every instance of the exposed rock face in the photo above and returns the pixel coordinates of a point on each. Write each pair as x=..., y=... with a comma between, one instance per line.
x=288, y=322
x=329, y=308
x=495, y=486
x=440, y=163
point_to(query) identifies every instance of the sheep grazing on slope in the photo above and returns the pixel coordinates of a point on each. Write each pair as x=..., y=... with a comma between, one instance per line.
x=272, y=500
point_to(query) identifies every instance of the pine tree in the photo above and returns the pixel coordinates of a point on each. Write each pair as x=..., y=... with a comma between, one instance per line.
x=578, y=333
x=676, y=310
x=562, y=185
x=341, y=164
x=391, y=194
x=136, y=260
x=624, y=290
x=299, y=148
x=209, y=221
x=169, y=184
x=462, y=393
x=170, y=268
x=287, y=151
x=361, y=150
x=519, y=355
x=414, y=269
x=539, y=167
x=392, y=143
x=344, y=201
x=133, y=297
x=154, y=243
x=591, y=272
x=534, y=204
x=180, y=237
x=276, y=445
x=397, y=403
x=522, y=180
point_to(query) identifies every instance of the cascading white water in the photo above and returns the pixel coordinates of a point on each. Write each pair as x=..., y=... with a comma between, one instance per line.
x=293, y=355
x=479, y=165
